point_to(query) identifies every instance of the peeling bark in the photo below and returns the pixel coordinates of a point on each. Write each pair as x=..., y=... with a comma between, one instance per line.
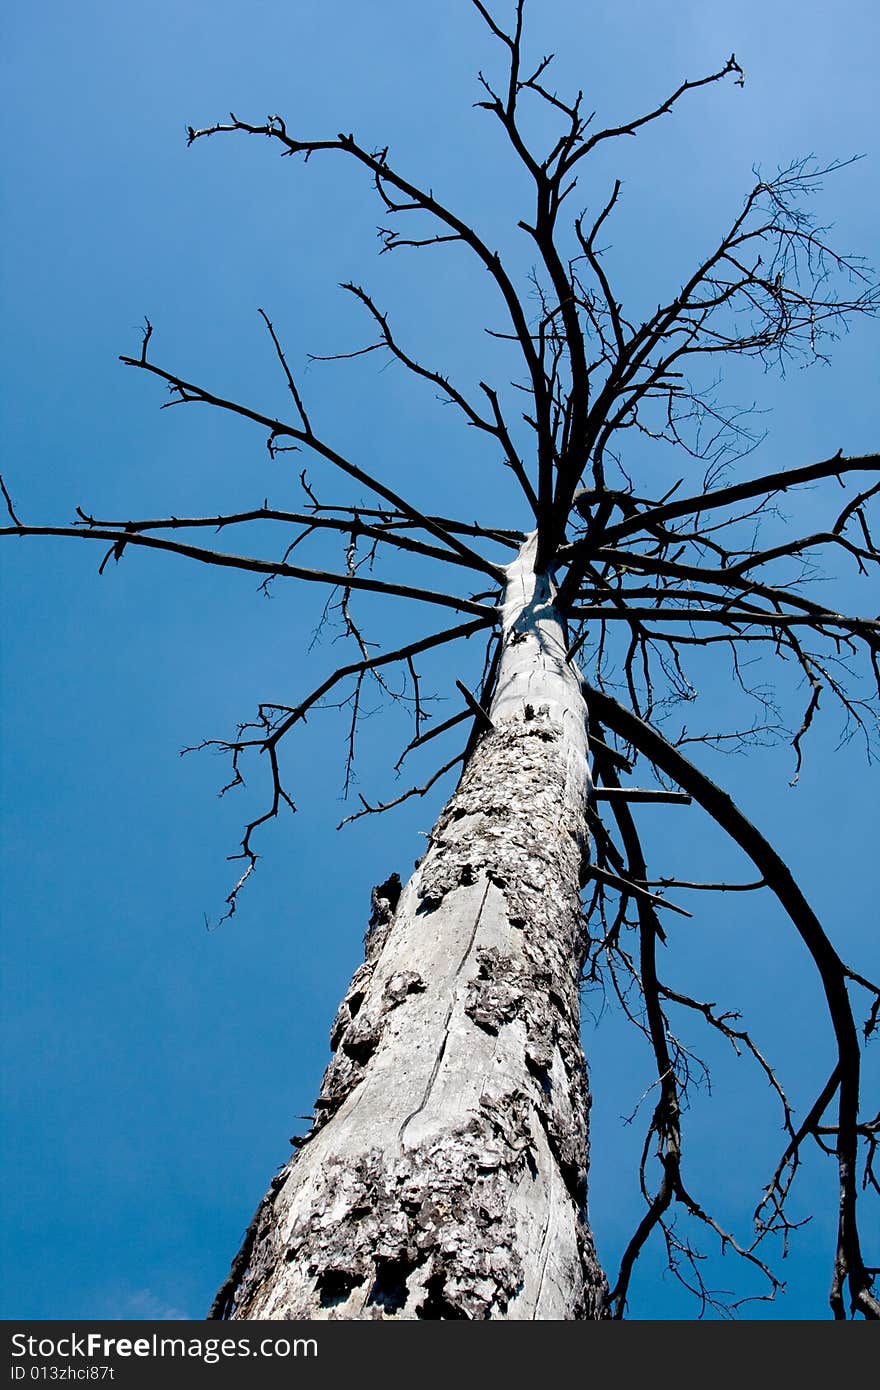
x=445, y=1172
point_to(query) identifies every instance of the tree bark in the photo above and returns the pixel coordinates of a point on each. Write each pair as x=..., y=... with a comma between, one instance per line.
x=445, y=1173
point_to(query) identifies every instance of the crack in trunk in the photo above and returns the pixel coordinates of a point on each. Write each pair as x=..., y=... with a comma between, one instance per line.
x=439, y=1062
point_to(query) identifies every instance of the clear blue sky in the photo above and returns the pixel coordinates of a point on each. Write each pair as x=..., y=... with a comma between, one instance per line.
x=154, y=1070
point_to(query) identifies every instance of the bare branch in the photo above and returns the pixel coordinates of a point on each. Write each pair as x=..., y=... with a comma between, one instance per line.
x=188, y=392
x=368, y=810
x=626, y=885
x=386, y=532
x=630, y=127
x=438, y=729
x=849, y=1264
x=9, y=507
x=418, y=200
x=706, y=887
x=766, y=486
x=495, y=427
x=290, y=381
x=245, y=562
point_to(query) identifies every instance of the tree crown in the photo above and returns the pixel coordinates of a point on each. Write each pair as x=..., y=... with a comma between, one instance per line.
x=665, y=544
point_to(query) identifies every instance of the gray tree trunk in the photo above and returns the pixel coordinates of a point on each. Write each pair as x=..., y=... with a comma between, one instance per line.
x=445, y=1175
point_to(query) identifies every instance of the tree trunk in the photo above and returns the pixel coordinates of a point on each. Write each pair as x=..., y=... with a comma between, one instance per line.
x=445, y=1174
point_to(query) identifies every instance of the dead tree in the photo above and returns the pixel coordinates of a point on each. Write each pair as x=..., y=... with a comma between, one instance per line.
x=445, y=1172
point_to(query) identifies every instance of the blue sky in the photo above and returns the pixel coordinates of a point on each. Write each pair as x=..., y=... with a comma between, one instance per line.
x=153, y=1069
